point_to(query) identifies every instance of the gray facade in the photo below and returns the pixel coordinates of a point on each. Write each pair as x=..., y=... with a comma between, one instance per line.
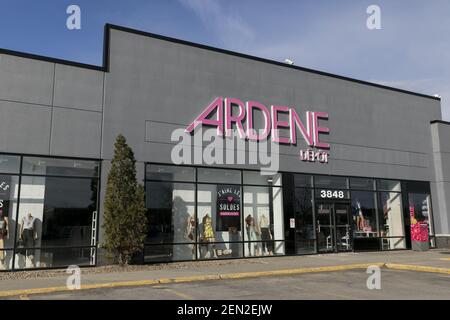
x=150, y=85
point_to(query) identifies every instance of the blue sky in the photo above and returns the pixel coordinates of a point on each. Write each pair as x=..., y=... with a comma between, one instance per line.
x=411, y=51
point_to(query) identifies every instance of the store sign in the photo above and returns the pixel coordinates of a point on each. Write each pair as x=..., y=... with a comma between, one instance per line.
x=220, y=114
x=228, y=207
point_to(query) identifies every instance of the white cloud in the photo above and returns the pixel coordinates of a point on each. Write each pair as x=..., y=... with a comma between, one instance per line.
x=229, y=27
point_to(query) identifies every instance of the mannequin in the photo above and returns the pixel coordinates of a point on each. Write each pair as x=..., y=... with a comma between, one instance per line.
x=4, y=234
x=28, y=235
x=251, y=235
x=190, y=233
x=208, y=235
x=266, y=235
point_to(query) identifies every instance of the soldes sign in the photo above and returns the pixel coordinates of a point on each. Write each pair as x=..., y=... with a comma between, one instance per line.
x=224, y=119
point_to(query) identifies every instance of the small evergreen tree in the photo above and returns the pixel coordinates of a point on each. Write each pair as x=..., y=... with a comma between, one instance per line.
x=124, y=207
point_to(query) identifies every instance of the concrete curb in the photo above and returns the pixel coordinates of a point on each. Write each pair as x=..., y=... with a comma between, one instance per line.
x=243, y=275
x=408, y=267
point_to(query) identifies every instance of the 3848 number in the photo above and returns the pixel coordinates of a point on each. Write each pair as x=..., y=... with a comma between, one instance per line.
x=330, y=194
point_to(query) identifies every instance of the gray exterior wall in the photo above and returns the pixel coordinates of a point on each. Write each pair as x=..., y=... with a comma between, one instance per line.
x=154, y=86
x=49, y=108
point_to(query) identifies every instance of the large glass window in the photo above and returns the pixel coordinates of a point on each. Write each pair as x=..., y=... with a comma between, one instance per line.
x=170, y=173
x=55, y=212
x=219, y=217
x=392, y=229
x=364, y=214
x=226, y=213
x=305, y=233
x=59, y=167
x=420, y=217
x=48, y=212
x=330, y=182
x=219, y=176
x=263, y=219
x=9, y=186
x=171, y=221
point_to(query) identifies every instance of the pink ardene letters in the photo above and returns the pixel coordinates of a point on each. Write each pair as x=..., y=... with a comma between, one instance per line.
x=243, y=119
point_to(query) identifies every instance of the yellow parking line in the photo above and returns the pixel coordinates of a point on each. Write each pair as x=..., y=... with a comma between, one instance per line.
x=180, y=294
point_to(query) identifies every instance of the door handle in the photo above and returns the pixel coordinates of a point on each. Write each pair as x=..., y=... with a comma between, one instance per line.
x=318, y=226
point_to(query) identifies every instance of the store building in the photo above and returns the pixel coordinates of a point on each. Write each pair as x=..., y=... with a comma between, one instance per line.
x=360, y=166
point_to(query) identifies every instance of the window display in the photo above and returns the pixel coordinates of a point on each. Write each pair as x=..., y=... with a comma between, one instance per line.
x=420, y=218
x=171, y=220
x=365, y=220
x=219, y=235
x=8, y=207
x=391, y=221
x=263, y=217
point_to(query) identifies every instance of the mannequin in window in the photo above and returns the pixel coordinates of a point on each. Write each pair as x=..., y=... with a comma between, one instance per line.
x=190, y=233
x=266, y=235
x=208, y=235
x=28, y=235
x=252, y=232
x=4, y=234
x=360, y=217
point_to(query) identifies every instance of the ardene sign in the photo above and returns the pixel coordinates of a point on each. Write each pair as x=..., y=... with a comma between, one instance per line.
x=308, y=128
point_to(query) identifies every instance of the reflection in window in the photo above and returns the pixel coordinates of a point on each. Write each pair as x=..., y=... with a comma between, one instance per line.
x=330, y=182
x=391, y=220
x=389, y=185
x=171, y=219
x=60, y=167
x=170, y=173
x=262, y=218
x=304, y=221
x=364, y=214
x=8, y=204
x=362, y=183
x=55, y=212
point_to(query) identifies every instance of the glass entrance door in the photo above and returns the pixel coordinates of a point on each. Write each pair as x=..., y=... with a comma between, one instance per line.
x=333, y=227
x=324, y=227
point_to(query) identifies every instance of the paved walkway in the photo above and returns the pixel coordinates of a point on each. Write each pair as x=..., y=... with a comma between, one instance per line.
x=261, y=267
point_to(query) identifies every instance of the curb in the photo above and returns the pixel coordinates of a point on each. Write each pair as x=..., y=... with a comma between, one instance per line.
x=226, y=276
x=243, y=275
x=395, y=266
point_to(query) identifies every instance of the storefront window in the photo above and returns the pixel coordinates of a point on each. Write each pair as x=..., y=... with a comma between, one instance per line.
x=263, y=217
x=55, y=212
x=219, y=216
x=362, y=184
x=171, y=221
x=364, y=214
x=59, y=167
x=303, y=180
x=305, y=233
x=330, y=182
x=389, y=185
x=9, y=164
x=9, y=186
x=420, y=217
x=219, y=176
x=170, y=173
x=256, y=178
x=392, y=229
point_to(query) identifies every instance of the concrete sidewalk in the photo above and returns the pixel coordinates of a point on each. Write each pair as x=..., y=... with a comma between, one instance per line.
x=204, y=270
